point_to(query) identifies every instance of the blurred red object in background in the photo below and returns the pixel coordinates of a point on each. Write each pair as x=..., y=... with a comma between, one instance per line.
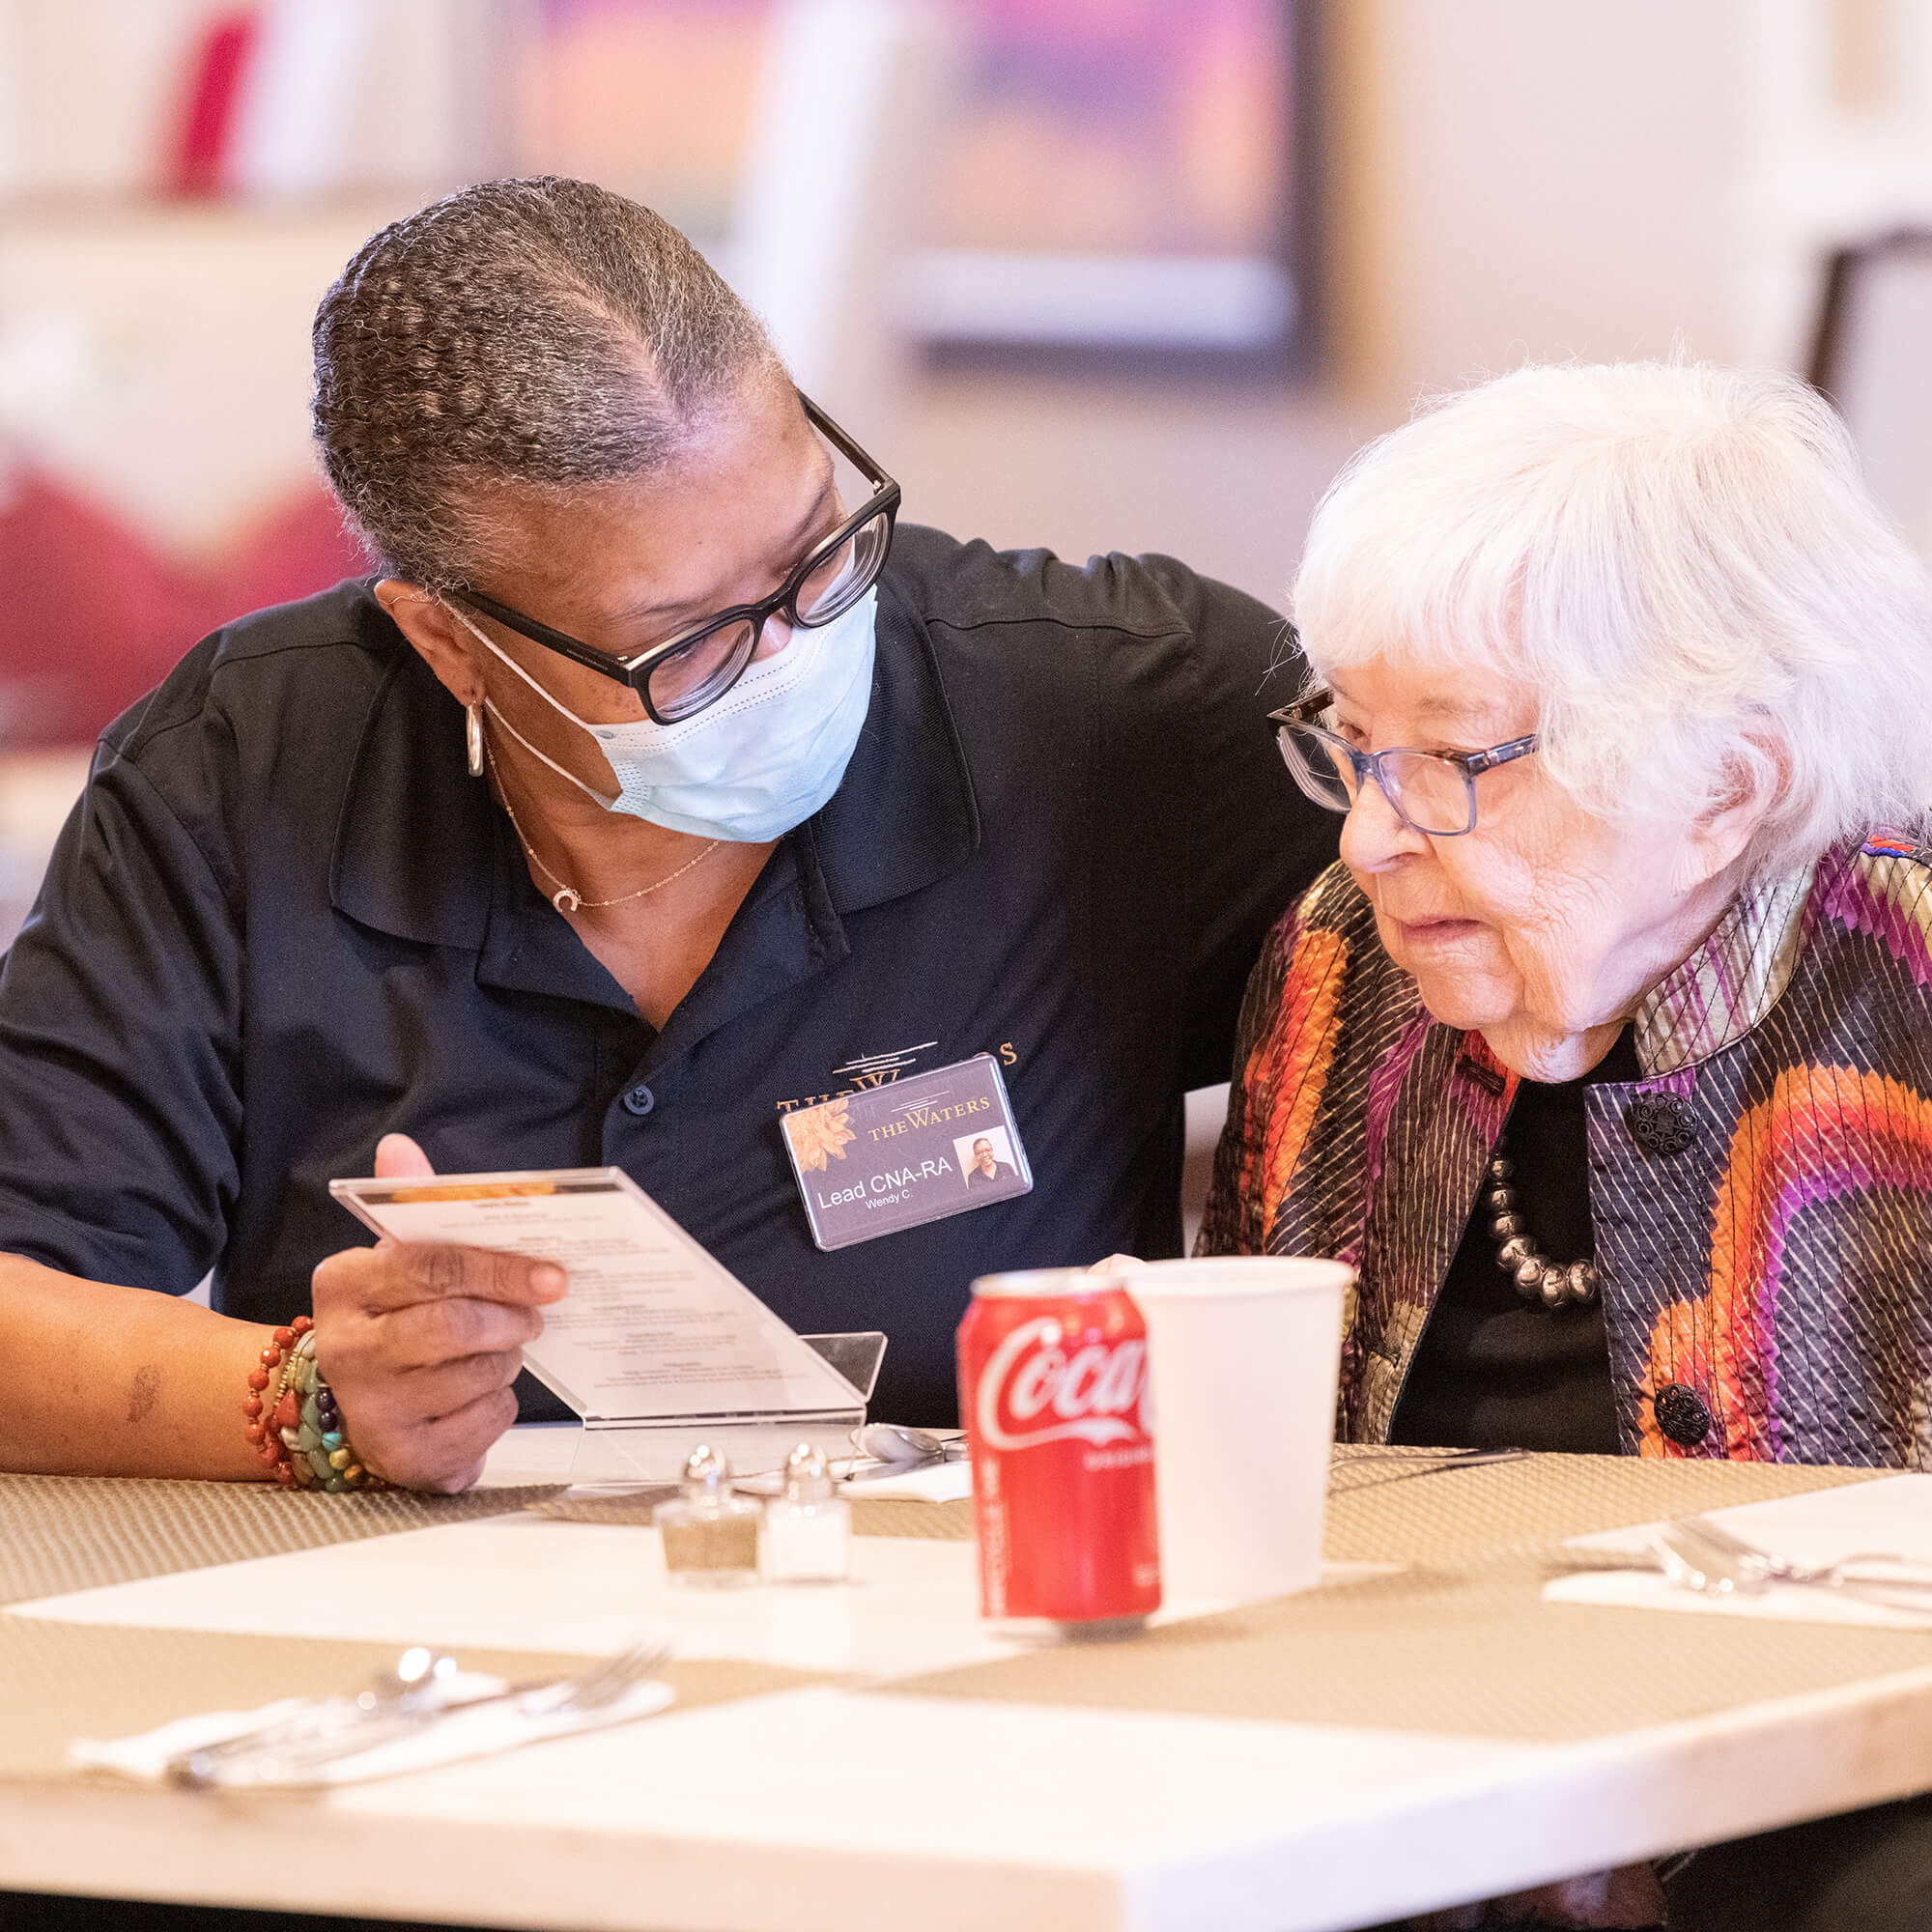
x=95, y=615
x=204, y=141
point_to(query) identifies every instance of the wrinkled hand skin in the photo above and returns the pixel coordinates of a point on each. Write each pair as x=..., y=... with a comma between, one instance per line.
x=422, y=1345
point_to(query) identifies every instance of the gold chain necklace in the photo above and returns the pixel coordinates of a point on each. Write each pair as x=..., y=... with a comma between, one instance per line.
x=567, y=898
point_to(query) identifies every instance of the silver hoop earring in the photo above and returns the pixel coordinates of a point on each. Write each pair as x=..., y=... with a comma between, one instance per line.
x=472, y=737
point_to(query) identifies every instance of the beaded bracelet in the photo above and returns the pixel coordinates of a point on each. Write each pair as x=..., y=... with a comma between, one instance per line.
x=297, y=1428
x=319, y=1449
x=263, y=1408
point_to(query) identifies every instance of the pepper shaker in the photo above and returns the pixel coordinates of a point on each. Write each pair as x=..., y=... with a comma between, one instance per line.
x=710, y=1533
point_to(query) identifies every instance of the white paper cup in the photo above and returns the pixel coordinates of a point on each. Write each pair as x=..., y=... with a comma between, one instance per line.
x=1243, y=1353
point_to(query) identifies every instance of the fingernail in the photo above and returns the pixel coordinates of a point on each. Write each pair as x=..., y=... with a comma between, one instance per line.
x=550, y=1279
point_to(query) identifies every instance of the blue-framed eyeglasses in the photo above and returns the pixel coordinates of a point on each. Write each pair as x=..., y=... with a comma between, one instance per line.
x=1432, y=792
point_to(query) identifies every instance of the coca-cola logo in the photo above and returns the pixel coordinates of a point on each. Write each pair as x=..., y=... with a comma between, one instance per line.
x=1034, y=1390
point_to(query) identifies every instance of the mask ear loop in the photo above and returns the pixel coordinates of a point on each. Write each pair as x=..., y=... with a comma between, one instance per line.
x=504, y=656
x=542, y=759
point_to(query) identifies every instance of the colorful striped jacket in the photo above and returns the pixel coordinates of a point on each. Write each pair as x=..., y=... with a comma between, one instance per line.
x=1761, y=1198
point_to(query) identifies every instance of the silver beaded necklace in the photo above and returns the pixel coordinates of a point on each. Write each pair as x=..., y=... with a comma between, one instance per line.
x=1538, y=1278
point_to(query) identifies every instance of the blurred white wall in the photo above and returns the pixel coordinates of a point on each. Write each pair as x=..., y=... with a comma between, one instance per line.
x=1521, y=181
x=1223, y=475
x=1516, y=180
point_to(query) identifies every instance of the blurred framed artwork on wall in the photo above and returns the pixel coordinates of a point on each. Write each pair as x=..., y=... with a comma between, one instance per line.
x=1129, y=175
x=1087, y=178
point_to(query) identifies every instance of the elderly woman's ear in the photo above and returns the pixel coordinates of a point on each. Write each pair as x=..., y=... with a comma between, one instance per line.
x=436, y=639
x=1755, y=775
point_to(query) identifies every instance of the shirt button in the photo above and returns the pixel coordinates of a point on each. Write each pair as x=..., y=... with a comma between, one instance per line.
x=640, y=1100
x=1682, y=1415
x=1660, y=1124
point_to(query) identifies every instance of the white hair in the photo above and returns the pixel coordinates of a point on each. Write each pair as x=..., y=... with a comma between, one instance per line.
x=1683, y=565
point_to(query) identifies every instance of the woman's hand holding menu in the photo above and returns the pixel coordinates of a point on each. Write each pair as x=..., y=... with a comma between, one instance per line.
x=422, y=1344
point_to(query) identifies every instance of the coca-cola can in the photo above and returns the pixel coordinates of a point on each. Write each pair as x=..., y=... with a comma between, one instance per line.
x=1053, y=1390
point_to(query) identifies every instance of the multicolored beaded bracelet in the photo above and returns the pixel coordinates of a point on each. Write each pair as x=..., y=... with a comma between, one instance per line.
x=320, y=1451
x=298, y=1429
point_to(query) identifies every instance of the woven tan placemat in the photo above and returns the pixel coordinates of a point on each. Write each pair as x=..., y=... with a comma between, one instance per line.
x=1382, y=1509
x=1461, y=1642
x=62, y=1533
x=1475, y=1652
x=907, y=1516
x=67, y=1681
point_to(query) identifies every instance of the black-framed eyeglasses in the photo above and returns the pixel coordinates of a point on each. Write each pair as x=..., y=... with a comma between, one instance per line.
x=683, y=674
x=1432, y=792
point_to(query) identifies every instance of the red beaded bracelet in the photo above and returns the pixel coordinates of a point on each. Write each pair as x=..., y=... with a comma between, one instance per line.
x=266, y=1433
x=293, y=1422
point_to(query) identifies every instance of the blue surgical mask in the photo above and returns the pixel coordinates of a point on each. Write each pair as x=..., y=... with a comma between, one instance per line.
x=760, y=760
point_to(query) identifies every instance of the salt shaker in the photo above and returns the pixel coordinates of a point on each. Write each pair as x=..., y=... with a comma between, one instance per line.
x=808, y=1529
x=710, y=1534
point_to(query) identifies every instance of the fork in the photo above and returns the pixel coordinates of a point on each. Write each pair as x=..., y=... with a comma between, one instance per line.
x=1778, y=1569
x=1697, y=1554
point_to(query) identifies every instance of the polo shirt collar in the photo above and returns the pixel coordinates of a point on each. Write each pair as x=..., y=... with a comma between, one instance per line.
x=415, y=846
x=417, y=842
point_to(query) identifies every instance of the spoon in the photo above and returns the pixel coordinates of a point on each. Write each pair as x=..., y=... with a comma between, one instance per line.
x=415, y=1673
x=405, y=1688
x=1690, y=1563
x=895, y=1442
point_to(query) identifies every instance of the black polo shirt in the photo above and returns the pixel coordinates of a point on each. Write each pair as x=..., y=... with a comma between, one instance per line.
x=283, y=922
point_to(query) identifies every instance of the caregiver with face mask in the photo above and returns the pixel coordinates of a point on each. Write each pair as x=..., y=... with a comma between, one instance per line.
x=654, y=788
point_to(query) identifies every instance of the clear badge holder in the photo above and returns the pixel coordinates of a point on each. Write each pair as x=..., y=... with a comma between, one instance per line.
x=629, y=1452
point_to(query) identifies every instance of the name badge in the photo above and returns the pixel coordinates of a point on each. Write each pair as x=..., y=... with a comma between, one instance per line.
x=912, y=1152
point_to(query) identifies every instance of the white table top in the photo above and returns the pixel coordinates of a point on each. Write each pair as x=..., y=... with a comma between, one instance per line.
x=857, y=1805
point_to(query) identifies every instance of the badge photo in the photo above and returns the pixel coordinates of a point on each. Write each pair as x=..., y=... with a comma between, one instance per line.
x=984, y=1159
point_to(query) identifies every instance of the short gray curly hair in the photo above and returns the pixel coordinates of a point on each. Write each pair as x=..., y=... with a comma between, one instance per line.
x=542, y=332
x=1680, y=562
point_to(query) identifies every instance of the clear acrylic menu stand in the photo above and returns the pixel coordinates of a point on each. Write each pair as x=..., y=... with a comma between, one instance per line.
x=657, y=1346
x=626, y=1452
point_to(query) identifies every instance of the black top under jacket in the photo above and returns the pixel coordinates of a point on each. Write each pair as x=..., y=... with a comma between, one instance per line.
x=283, y=920
x=1494, y=1371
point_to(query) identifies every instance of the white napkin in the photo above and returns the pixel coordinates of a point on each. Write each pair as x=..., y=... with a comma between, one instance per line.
x=935, y=1483
x=1893, y=1514
x=444, y=1740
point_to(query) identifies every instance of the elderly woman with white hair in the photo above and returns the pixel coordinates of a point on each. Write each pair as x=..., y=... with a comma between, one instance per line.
x=1606, y=1051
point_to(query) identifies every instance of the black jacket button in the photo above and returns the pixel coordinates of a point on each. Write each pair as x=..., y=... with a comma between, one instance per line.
x=1682, y=1415
x=1660, y=1124
x=640, y=1100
